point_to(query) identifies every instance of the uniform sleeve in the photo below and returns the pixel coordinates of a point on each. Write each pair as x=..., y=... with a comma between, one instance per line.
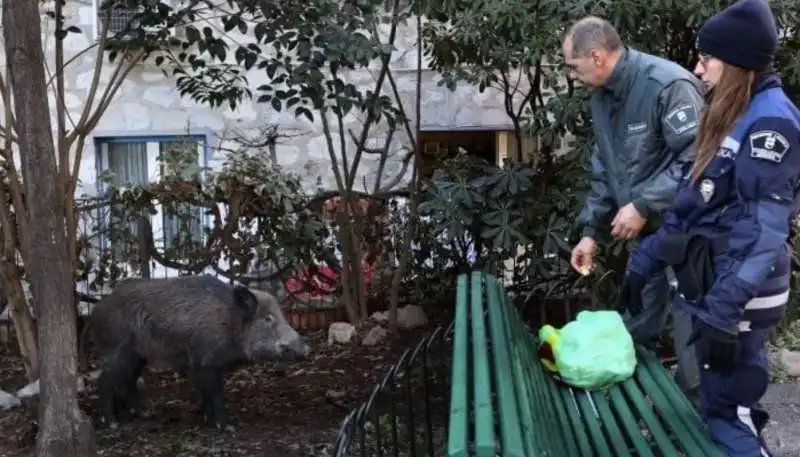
x=596, y=213
x=767, y=170
x=646, y=259
x=678, y=111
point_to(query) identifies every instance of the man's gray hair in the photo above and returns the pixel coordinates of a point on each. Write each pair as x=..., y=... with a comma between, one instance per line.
x=593, y=32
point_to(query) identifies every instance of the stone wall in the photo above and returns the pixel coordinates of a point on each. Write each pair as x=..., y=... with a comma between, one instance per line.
x=148, y=104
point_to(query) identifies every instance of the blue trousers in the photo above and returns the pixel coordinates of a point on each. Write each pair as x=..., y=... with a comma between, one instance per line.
x=646, y=328
x=729, y=403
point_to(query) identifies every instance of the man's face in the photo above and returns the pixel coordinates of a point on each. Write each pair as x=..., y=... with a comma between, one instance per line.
x=709, y=70
x=588, y=70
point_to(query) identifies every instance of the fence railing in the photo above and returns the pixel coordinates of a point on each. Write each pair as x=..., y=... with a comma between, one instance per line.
x=406, y=415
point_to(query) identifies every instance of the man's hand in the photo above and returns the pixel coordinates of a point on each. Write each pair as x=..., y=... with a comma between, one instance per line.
x=582, y=259
x=627, y=223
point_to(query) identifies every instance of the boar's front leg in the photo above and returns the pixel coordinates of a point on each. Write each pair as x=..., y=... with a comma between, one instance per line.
x=210, y=383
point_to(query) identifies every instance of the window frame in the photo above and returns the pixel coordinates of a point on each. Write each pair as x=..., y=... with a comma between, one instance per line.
x=176, y=31
x=153, y=143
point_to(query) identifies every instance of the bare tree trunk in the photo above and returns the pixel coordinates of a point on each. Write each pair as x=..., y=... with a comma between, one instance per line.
x=24, y=328
x=64, y=431
x=349, y=292
x=12, y=231
x=413, y=217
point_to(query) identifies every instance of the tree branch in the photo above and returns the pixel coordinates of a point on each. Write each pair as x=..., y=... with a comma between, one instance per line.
x=5, y=97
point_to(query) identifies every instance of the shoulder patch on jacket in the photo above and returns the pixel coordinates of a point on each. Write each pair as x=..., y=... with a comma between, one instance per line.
x=768, y=145
x=682, y=118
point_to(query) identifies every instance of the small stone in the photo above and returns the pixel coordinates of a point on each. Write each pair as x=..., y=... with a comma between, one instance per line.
x=334, y=394
x=31, y=390
x=411, y=316
x=341, y=332
x=791, y=362
x=375, y=336
x=380, y=317
x=8, y=401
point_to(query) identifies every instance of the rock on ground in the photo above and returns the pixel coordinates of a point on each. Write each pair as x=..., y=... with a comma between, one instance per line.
x=8, y=401
x=782, y=401
x=409, y=316
x=791, y=362
x=376, y=335
x=341, y=333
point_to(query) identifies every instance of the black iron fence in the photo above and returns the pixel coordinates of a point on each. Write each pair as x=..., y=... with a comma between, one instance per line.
x=406, y=414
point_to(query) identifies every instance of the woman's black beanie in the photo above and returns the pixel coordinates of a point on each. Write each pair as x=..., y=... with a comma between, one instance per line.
x=744, y=34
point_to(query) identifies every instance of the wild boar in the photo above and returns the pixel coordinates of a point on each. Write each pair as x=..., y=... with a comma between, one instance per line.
x=199, y=326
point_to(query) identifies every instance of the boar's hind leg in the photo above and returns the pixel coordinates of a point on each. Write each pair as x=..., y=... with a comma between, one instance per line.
x=210, y=382
x=118, y=369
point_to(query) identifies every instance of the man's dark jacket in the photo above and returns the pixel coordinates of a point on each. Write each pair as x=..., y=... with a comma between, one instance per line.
x=644, y=120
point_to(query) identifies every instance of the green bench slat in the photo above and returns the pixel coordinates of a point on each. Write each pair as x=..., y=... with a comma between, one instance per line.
x=686, y=423
x=654, y=427
x=617, y=440
x=510, y=426
x=631, y=427
x=592, y=424
x=578, y=430
x=670, y=415
x=526, y=397
x=458, y=431
x=482, y=387
x=532, y=381
x=504, y=403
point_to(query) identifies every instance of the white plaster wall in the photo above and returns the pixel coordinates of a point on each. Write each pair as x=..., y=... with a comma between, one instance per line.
x=149, y=104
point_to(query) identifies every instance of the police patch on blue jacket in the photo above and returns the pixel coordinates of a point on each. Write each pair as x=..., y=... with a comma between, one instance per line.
x=682, y=118
x=768, y=145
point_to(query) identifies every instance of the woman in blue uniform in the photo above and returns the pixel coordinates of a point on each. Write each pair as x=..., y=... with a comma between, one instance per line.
x=727, y=234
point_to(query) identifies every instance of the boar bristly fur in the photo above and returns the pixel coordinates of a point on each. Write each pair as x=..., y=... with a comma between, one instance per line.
x=199, y=326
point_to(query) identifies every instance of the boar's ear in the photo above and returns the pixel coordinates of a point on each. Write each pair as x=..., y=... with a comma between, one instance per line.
x=246, y=301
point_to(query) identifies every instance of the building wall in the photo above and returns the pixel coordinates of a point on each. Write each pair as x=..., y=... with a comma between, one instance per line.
x=148, y=104
x=148, y=107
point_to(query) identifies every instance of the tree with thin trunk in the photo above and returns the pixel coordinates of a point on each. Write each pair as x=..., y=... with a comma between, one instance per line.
x=64, y=430
x=71, y=131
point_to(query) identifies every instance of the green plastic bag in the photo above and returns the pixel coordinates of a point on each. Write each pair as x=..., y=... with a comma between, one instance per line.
x=595, y=351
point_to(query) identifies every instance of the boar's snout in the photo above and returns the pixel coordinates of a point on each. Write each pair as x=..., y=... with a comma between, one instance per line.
x=298, y=349
x=270, y=343
x=291, y=345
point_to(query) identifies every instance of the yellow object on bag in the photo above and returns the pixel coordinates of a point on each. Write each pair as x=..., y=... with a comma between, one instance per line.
x=594, y=351
x=548, y=335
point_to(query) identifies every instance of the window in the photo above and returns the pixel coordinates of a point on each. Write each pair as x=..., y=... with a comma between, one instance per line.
x=135, y=161
x=121, y=18
x=118, y=20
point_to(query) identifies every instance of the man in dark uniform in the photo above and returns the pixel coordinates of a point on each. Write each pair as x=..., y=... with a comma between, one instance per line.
x=645, y=115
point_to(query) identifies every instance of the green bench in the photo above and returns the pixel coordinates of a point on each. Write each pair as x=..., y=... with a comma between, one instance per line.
x=504, y=403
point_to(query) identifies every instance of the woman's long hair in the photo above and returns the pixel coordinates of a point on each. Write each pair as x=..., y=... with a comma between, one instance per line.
x=729, y=99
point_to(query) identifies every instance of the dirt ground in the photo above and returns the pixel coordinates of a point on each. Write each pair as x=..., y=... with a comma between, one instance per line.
x=280, y=410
